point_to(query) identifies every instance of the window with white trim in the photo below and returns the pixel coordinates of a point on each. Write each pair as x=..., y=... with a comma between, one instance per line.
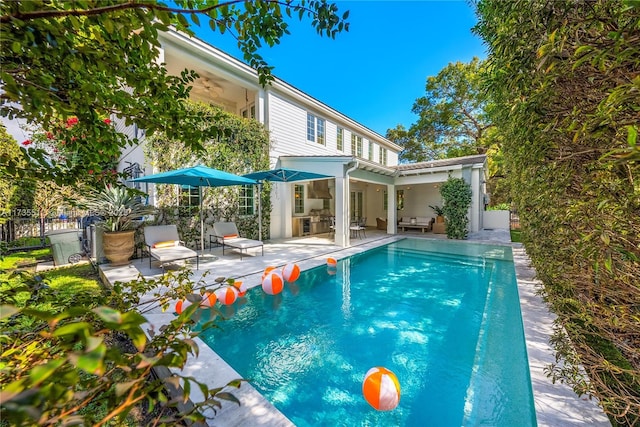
x=356, y=145
x=315, y=129
x=249, y=112
x=340, y=139
x=370, y=153
x=188, y=200
x=382, y=158
x=298, y=194
x=247, y=206
x=311, y=127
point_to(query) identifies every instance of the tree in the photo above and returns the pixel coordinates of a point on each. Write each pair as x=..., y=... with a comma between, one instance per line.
x=9, y=151
x=453, y=116
x=63, y=60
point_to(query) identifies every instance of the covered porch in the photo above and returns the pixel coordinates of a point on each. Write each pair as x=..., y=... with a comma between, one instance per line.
x=363, y=189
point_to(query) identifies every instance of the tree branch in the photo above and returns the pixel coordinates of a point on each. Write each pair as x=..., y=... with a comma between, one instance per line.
x=38, y=14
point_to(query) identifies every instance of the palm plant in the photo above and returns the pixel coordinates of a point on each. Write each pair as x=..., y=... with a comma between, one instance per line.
x=438, y=210
x=119, y=207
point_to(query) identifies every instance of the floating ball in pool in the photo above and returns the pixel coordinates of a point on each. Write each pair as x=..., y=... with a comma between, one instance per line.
x=227, y=295
x=291, y=272
x=381, y=389
x=332, y=271
x=332, y=262
x=267, y=270
x=273, y=283
x=182, y=305
x=209, y=299
x=241, y=287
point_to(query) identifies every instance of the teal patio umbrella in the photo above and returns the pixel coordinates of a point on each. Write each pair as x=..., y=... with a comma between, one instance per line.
x=279, y=175
x=197, y=176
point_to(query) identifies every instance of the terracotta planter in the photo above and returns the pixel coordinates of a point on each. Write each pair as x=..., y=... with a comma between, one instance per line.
x=118, y=246
x=440, y=218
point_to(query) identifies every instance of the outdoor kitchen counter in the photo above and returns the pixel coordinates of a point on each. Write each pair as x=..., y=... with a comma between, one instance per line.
x=305, y=225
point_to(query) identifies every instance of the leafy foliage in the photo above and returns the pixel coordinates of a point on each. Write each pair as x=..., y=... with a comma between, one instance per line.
x=63, y=60
x=240, y=148
x=59, y=360
x=566, y=76
x=456, y=194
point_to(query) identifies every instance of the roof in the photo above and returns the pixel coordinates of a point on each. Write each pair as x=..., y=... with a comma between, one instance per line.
x=455, y=161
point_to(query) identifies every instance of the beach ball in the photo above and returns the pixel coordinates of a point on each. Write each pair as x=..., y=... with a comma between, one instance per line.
x=182, y=305
x=267, y=270
x=227, y=295
x=381, y=389
x=291, y=272
x=241, y=287
x=209, y=299
x=273, y=283
x=331, y=262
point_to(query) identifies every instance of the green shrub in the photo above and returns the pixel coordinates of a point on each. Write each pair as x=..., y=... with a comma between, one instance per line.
x=456, y=194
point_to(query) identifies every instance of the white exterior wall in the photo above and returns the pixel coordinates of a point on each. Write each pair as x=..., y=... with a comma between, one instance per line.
x=288, y=126
x=496, y=219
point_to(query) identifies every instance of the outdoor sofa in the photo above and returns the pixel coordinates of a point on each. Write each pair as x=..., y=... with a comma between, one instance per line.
x=226, y=234
x=419, y=222
x=164, y=245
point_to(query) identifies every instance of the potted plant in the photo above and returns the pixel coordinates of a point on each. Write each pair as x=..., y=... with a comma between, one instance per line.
x=439, y=212
x=121, y=211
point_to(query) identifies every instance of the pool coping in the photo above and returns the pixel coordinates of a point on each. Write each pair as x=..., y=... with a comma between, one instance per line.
x=556, y=405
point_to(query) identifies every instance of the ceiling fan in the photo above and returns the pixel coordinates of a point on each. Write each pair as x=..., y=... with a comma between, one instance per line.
x=205, y=84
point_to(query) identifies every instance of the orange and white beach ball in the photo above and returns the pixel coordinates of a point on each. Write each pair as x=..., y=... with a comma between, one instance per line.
x=267, y=270
x=241, y=287
x=381, y=389
x=182, y=305
x=332, y=262
x=227, y=295
x=291, y=272
x=209, y=299
x=273, y=283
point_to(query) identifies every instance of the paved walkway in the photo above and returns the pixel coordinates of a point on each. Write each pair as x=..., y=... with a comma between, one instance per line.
x=556, y=404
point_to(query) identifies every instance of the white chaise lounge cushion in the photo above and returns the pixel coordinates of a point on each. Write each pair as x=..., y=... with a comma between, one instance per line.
x=162, y=235
x=227, y=234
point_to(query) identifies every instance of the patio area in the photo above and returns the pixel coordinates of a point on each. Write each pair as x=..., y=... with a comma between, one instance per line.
x=556, y=404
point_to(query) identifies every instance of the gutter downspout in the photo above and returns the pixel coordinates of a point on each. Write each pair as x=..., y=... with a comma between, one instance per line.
x=346, y=201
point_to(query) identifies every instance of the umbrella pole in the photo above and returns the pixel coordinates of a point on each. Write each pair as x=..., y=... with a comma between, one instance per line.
x=201, y=222
x=259, y=211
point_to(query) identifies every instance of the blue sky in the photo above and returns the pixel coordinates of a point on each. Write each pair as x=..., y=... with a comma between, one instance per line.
x=374, y=72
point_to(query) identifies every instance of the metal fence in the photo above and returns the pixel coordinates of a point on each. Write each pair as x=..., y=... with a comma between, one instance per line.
x=20, y=232
x=514, y=220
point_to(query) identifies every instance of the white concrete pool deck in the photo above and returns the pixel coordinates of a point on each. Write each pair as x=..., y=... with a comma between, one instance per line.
x=556, y=404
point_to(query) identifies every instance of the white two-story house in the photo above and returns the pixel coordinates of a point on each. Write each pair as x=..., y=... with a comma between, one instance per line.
x=309, y=135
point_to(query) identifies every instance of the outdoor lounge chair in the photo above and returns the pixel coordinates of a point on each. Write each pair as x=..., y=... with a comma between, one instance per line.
x=164, y=245
x=226, y=234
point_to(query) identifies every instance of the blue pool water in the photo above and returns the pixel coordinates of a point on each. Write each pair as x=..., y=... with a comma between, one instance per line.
x=443, y=316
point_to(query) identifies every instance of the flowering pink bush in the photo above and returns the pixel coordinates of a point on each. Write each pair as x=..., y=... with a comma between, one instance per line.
x=64, y=145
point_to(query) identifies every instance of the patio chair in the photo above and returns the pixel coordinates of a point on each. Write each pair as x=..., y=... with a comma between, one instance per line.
x=164, y=245
x=359, y=227
x=226, y=234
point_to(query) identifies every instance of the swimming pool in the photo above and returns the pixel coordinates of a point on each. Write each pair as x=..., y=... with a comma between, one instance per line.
x=443, y=316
